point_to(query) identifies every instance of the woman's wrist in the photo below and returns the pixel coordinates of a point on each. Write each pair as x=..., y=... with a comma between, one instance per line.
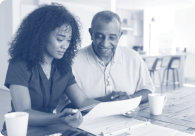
x=59, y=117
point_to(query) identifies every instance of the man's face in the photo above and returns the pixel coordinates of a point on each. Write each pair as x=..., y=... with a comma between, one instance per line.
x=105, y=37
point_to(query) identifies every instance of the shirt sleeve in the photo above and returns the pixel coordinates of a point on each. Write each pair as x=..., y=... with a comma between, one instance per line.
x=17, y=74
x=145, y=82
x=71, y=78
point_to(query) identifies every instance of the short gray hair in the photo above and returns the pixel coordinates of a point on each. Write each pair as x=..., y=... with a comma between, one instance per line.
x=106, y=16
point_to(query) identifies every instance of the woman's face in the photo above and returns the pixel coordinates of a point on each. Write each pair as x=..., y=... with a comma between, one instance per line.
x=59, y=41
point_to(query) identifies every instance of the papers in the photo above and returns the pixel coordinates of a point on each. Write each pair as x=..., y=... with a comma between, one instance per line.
x=155, y=130
x=108, y=124
x=105, y=120
x=119, y=125
x=112, y=108
x=105, y=114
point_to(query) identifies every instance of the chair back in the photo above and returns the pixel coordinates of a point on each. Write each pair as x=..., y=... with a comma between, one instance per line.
x=157, y=64
x=174, y=62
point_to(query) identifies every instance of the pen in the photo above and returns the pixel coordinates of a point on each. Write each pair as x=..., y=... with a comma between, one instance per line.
x=74, y=111
x=81, y=109
x=87, y=107
x=55, y=134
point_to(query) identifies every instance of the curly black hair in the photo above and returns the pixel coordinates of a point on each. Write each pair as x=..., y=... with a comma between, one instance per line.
x=33, y=34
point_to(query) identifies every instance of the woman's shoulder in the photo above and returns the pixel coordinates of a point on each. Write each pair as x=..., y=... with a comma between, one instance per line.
x=18, y=63
x=18, y=66
x=17, y=73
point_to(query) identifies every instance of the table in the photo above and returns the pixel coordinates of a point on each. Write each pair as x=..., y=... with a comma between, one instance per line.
x=65, y=130
x=56, y=128
x=178, y=113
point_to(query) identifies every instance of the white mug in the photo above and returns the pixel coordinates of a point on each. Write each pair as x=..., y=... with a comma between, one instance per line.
x=156, y=103
x=16, y=123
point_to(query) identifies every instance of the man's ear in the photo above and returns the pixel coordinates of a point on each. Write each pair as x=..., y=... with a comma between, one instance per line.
x=121, y=34
x=91, y=33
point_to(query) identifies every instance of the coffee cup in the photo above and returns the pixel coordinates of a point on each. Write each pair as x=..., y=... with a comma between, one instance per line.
x=156, y=103
x=16, y=123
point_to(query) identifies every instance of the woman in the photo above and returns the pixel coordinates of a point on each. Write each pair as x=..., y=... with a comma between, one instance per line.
x=39, y=71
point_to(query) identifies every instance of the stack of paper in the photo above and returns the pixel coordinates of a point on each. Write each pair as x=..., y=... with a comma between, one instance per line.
x=106, y=119
x=119, y=125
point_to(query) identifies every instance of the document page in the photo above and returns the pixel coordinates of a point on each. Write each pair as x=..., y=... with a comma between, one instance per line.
x=118, y=125
x=113, y=108
x=109, y=124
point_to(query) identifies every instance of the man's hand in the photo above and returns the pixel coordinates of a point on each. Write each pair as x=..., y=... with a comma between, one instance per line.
x=114, y=96
x=118, y=95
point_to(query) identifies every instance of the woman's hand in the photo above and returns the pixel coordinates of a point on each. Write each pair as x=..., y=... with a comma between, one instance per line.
x=72, y=117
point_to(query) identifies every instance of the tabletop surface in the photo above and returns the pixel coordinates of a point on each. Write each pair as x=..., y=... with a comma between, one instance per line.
x=178, y=113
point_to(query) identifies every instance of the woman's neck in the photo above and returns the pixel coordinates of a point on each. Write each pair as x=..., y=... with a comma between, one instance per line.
x=47, y=60
x=46, y=66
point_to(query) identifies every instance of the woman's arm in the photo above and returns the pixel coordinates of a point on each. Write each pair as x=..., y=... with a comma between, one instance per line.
x=22, y=102
x=78, y=97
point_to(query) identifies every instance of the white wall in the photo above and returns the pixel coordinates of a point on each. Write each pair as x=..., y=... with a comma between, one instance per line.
x=185, y=37
x=185, y=29
x=5, y=37
x=11, y=14
x=158, y=32
x=173, y=29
